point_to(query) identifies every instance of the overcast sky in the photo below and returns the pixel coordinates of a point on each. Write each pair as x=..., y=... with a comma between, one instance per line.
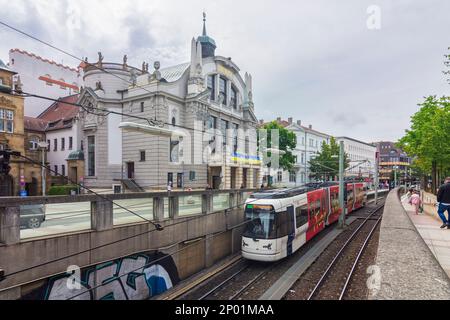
x=316, y=61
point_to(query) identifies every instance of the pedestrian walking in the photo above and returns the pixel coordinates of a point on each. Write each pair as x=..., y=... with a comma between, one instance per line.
x=169, y=186
x=443, y=203
x=415, y=201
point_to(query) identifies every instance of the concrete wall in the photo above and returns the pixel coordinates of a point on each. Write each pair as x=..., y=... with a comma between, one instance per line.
x=192, y=242
x=405, y=267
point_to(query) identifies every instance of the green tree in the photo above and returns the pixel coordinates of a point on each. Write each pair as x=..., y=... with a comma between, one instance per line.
x=287, y=142
x=326, y=163
x=429, y=138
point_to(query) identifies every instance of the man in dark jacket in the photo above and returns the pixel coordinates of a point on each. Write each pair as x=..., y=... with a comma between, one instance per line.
x=443, y=202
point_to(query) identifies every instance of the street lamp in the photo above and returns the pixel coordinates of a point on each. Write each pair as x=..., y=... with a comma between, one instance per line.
x=43, y=146
x=395, y=176
x=341, y=185
x=273, y=151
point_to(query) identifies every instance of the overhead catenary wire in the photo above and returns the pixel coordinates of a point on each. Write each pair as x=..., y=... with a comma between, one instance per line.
x=156, y=225
x=184, y=248
x=129, y=237
x=91, y=65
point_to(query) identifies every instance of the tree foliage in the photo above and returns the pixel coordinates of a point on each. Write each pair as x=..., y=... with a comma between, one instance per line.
x=428, y=140
x=287, y=142
x=326, y=163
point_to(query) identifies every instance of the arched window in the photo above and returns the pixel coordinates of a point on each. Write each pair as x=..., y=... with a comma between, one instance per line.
x=212, y=86
x=223, y=90
x=233, y=99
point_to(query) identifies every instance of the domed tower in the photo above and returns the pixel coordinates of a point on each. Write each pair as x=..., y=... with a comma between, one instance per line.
x=208, y=43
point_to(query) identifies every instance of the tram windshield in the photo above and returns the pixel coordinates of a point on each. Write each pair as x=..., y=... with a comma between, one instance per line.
x=260, y=222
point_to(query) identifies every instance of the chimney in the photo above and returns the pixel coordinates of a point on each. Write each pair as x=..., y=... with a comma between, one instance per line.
x=299, y=122
x=261, y=121
x=290, y=120
x=310, y=127
x=279, y=119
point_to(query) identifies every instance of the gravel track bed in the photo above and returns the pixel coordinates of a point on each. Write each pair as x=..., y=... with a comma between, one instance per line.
x=357, y=288
x=273, y=271
x=304, y=286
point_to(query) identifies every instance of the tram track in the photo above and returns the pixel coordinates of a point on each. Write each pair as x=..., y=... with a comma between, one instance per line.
x=334, y=281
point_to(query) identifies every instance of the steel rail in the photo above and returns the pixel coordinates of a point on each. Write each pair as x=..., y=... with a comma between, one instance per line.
x=240, y=291
x=337, y=256
x=363, y=247
x=220, y=285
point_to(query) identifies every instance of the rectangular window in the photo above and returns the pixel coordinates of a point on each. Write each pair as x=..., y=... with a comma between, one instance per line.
x=63, y=170
x=142, y=155
x=170, y=178
x=56, y=170
x=292, y=176
x=55, y=144
x=48, y=145
x=301, y=215
x=6, y=121
x=235, y=128
x=70, y=143
x=63, y=144
x=280, y=176
x=179, y=180
x=91, y=156
x=223, y=128
x=233, y=98
x=212, y=86
x=82, y=145
x=223, y=90
x=142, y=106
x=191, y=175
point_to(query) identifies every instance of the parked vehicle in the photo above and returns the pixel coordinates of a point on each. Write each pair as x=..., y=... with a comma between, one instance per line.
x=32, y=216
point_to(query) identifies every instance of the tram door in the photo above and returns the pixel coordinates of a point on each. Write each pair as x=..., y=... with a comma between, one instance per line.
x=291, y=229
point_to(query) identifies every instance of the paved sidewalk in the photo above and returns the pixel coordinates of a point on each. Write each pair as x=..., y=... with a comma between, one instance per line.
x=438, y=240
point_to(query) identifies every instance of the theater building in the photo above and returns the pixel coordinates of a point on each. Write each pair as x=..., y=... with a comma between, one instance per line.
x=191, y=124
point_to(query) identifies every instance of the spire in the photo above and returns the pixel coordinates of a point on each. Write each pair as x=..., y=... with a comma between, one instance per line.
x=208, y=43
x=204, y=24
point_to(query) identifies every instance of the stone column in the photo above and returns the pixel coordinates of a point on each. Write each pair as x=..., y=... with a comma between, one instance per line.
x=158, y=208
x=209, y=258
x=10, y=225
x=207, y=203
x=173, y=206
x=238, y=177
x=101, y=215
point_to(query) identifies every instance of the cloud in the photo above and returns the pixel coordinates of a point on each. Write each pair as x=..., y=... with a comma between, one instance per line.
x=315, y=61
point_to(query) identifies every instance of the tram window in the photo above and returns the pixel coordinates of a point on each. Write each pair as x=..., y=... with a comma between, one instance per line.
x=260, y=222
x=301, y=214
x=282, y=223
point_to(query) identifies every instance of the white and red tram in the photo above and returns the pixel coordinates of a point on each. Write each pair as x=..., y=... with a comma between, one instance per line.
x=280, y=222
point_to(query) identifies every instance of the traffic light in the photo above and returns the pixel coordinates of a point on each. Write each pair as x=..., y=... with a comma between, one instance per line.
x=5, y=156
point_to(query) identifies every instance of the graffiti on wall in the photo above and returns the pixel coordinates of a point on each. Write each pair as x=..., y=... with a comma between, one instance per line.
x=131, y=278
